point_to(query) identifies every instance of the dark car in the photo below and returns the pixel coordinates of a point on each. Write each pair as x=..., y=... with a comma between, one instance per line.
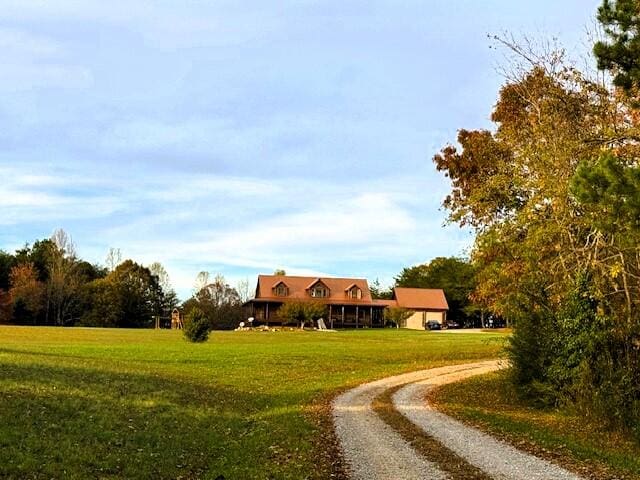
x=432, y=325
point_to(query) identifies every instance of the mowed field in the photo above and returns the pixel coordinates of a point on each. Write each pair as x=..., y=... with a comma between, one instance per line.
x=106, y=403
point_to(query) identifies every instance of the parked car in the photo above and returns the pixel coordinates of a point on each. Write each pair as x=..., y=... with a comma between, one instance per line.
x=452, y=324
x=433, y=325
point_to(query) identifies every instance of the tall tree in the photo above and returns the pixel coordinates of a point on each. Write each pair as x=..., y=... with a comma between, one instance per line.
x=63, y=282
x=26, y=293
x=169, y=296
x=7, y=261
x=620, y=20
x=114, y=258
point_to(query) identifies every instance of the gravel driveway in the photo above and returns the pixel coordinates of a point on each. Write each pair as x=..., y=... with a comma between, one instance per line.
x=374, y=451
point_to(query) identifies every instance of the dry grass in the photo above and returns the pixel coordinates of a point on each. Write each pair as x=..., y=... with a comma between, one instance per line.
x=490, y=403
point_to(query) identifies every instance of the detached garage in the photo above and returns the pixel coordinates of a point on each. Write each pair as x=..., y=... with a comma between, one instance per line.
x=427, y=304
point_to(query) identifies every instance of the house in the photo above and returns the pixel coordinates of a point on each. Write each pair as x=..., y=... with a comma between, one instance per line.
x=348, y=301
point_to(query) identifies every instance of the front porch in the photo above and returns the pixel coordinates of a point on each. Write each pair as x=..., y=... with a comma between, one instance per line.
x=337, y=316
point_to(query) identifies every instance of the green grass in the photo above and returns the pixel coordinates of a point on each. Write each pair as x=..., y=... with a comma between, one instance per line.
x=100, y=403
x=490, y=402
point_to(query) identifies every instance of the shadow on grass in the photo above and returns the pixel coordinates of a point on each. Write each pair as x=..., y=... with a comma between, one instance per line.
x=80, y=422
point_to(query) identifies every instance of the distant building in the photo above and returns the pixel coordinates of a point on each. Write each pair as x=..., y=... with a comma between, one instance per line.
x=348, y=300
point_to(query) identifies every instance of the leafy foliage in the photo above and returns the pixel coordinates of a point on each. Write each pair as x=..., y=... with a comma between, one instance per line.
x=396, y=316
x=220, y=302
x=621, y=55
x=301, y=312
x=553, y=194
x=196, y=326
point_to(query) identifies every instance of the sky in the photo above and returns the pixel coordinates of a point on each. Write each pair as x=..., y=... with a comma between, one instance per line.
x=242, y=137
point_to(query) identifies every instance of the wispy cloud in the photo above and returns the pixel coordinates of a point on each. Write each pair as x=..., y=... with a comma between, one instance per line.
x=243, y=137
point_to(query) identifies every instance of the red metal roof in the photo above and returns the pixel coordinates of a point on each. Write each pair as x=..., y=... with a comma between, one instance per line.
x=298, y=289
x=420, y=298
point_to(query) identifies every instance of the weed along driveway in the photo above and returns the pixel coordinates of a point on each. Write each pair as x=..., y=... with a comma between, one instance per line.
x=376, y=444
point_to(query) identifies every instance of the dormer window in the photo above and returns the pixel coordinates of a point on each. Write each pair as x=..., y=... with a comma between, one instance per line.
x=281, y=290
x=319, y=291
x=355, y=293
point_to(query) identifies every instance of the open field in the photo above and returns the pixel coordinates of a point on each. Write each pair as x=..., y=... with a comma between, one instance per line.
x=100, y=403
x=490, y=403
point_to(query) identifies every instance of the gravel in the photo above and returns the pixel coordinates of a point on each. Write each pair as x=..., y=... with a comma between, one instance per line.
x=373, y=450
x=496, y=458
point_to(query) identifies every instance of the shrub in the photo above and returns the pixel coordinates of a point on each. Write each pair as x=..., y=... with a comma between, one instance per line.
x=300, y=312
x=196, y=326
x=396, y=316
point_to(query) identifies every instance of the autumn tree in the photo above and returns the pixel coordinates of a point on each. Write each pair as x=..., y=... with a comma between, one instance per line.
x=552, y=193
x=26, y=293
x=63, y=282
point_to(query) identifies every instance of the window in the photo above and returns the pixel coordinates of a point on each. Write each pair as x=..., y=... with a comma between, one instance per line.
x=281, y=290
x=355, y=292
x=319, y=291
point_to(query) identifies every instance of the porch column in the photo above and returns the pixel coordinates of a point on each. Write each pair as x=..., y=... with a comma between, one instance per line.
x=357, y=316
x=330, y=318
x=371, y=316
x=343, y=315
x=266, y=315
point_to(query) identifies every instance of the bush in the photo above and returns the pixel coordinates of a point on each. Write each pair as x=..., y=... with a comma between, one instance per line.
x=300, y=312
x=196, y=326
x=396, y=316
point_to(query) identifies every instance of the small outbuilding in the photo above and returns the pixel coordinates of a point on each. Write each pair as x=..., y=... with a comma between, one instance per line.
x=426, y=304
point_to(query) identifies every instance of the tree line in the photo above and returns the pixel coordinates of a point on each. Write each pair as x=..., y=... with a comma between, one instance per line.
x=48, y=284
x=553, y=194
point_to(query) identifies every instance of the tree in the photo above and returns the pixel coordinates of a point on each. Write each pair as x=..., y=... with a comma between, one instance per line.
x=114, y=258
x=196, y=326
x=243, y=290
x=301, y=312
x=202, y=280
x=102, y=304
x=378, y=292
x=559, y=254
x=620, y=20
x=169, y=296
x=219, y=301
x=130, y=296
x=63, y=281
x=7, y=261
x=279, y=272
x=26, y=293
x=140, y=294
x=396, y=316
x=38, y=254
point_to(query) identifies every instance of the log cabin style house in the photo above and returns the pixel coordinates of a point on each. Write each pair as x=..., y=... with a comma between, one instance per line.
x=348, y=301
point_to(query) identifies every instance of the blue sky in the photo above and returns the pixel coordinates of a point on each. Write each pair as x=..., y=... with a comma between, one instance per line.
x=240, y=137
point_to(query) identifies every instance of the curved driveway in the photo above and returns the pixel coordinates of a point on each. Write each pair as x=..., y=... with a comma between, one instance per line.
x=375, y=451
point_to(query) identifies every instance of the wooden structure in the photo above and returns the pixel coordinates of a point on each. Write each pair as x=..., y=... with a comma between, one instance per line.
x=176, y=319
x=426, y=304
x=348, y=301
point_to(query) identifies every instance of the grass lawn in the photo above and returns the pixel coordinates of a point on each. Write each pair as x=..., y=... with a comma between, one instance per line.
x=101, y=403
x=492, y=404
